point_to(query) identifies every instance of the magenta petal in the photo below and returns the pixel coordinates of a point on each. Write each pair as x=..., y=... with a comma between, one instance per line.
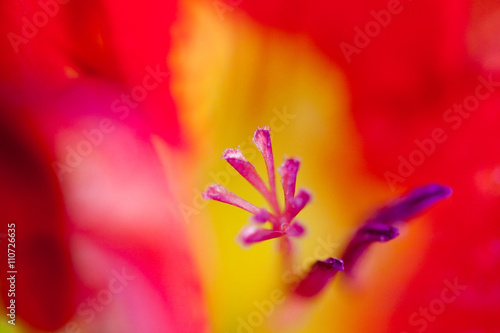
x=246, y=169
x=319, y=275
x=220, y=193
x=297, y=204
x=288, y=172
x=253, y=234
x=296, y=229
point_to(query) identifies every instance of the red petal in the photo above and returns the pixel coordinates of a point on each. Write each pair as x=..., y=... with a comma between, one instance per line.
x=30, y=196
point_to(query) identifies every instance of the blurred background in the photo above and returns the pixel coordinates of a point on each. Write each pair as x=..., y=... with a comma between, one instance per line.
x=113, y=119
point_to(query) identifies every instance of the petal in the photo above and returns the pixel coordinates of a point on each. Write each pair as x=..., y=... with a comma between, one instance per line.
x=288, y=172
x=123, y=184
x=220, y=193
x=319, y=275
x=46, y=283
x=253, y=234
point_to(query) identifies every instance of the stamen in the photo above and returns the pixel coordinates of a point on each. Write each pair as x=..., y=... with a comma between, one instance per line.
x=379, y=227
x=364, y=237
x=411, y=204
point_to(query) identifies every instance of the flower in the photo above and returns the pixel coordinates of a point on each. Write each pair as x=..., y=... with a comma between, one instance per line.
x=351, y=116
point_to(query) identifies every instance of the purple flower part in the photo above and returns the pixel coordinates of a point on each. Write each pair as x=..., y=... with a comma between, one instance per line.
x=288, y=172
x=376, y=233
x=246, y=169
x=297, y=204
x=317, y=278
x=220, y=193
x=411, y=204
x=379, y=228
x=296, y=229
x=365, y=236
x=253, y=234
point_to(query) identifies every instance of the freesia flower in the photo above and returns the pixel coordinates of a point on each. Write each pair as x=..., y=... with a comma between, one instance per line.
x=112, y=113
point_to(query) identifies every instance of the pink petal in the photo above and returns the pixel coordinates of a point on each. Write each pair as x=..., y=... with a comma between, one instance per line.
x=220, y=193
x=253, y=234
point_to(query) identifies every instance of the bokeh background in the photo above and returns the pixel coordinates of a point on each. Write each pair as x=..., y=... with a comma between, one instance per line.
x=114, y=115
